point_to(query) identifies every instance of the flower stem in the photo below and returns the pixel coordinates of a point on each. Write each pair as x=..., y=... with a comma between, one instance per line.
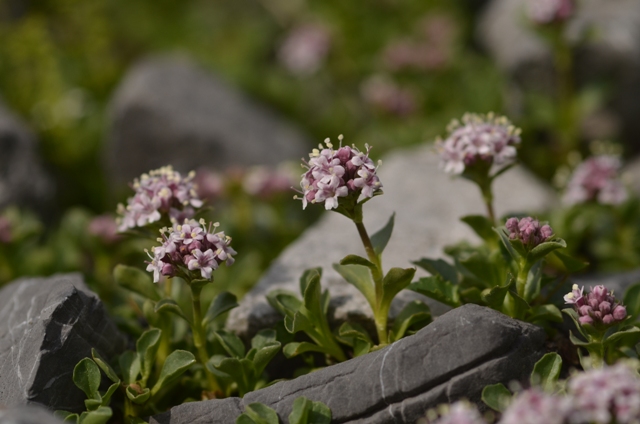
x=521, y=281
x=199, y=337
x=487, y=197
x=380, y=311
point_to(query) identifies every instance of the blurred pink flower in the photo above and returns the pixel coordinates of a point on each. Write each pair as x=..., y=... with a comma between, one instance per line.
x=544, y=12
x=209, y=185
x=305, y=49
x=264, y=182
x=105, y=228
x=386, y=95
x=596, y=179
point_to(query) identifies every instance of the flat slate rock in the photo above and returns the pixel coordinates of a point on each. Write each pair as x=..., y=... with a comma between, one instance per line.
x=454, y=357
x=31, y=414
x=167, y=110
x=47, y=325
x=428, y=205
x=23, y=180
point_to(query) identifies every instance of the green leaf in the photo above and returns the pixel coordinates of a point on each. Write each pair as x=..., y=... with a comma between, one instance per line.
x=439, y=267
x=130, y=366
x=110, y=391
x=222, y=303
x=86, y=375
x=438, y=289
x=515, y=306
x=547, y=371
x=241, y=371
x=496, y=397
x=66, y=416
x=283, y=301
x=305, y=411
x=296, y=348
x=298, y=322
x=170, y=306
x=259, y=414
x=570, y=263
x=574, y=317
x=543, y=249
x=312, y=298
x=92, y=404
x=382, y=236
x=175, y=364
x=136, y=280
x=482, y=226
x=396, y=280
x=138, y=397
x=483, y=269
x=355, y=330
x=104, y=366
x=630, y=336
x=546, y=312
x=632, y=301
x=307, y=275
x=264, y=338
x=263, y=356
x=357, y=260
x=360, y=278
x=147, y=346
x=532, y=285
x=413, y=313
x=99, y=416
x=504, y=238
x=231, y=343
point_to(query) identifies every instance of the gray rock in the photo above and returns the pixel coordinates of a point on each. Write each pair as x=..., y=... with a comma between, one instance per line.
x=428, y=205
x=47, y=325
x=170, y=111
x=23, y=180
x=454, y=357
x=31, y=414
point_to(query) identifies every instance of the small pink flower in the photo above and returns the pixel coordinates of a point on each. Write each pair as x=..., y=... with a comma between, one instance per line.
x=599, y=306
x=305, y=49
x=596, y=179
x=544, y=12
x=528, y=231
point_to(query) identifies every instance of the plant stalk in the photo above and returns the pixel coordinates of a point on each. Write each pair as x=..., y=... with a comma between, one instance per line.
x=380, y=312
x=199, y=338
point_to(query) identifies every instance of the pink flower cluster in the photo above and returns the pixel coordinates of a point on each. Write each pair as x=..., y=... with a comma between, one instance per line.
x=601, y=396
x=596, y=179
x=305, y=48
x=533, y=406
x=162, y=191
x=332, y=174
x=610, y=394
x=599, y=306
x=528, y=231
x=478, y=138
x=189, y=248
x=547, y=11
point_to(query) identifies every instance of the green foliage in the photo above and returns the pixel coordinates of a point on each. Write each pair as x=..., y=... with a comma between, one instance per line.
x=244, y=372
x=303, y=411
x=496, y=396
x=308, y=316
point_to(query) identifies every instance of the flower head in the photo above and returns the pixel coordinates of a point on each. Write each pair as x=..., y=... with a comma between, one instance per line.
x=600, y=395
x=162, y=191
x=596, y=179
x=305, y=48
x=460, y=412
x=332, y=174
x=544, y=12
x=478, y=139
x=598, y=307
x=534, y=406
x=529, y=231
x=191, y=250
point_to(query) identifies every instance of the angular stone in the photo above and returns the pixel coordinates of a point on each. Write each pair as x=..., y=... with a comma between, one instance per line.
x=170, y=111
x=454, y=357
x=47, y=325
x=23, y=180
x=31, y=414
x=222, y=411
x=428, y=205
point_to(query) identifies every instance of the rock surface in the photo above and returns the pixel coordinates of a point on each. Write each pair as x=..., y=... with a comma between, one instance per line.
x=23, y=180
x=31, y=414
x=47, y=325
x=428, y=204
x=456, y=356
x=170, y=111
